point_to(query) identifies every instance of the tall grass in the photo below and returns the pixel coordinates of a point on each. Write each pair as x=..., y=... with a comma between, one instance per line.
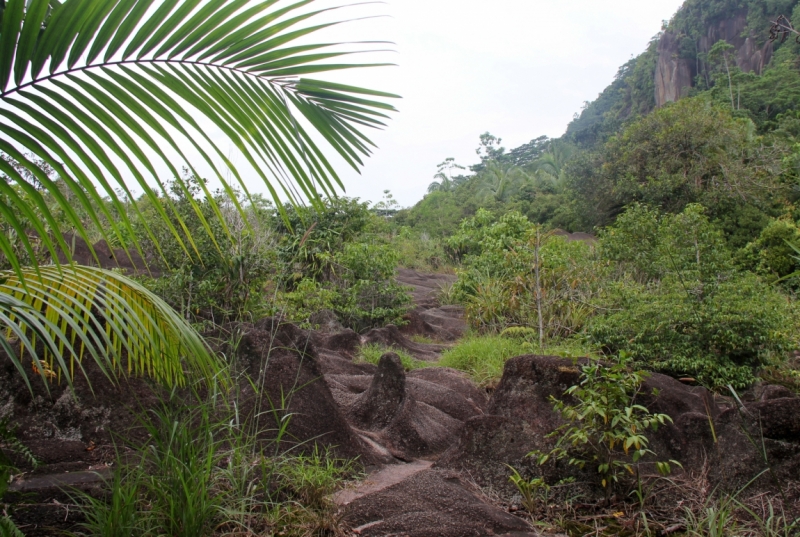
x=483, y=357
x=204, y=471
x=372, y=352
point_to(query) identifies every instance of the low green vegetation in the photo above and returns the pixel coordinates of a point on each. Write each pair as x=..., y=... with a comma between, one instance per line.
x=605, y=427
x=372, y=352
x=204, y=470
x=483, y=357
x=667, y=289
x=10, y=445
x=295, y=262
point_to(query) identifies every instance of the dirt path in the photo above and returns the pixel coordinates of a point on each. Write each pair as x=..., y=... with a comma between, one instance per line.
x=381, y=479
x=426, y=286
x=441, y=323
x=416, y=498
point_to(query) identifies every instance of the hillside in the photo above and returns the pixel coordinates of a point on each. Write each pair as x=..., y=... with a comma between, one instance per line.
x=676, y=62
x=706, y=114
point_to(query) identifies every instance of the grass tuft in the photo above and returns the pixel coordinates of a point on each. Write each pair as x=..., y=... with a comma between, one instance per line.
x=483, y=357
x=372, y=352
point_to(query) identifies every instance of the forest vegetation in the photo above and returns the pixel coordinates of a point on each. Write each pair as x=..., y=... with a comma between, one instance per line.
x=659, y=237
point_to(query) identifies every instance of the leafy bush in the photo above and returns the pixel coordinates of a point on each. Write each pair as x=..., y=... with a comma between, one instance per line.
x=307, y=298
x=515, y=271
x=770, y=254
x=680, y=307
x=605, y=428
x=224, y=274
x=331, y=261
x=420, y=251
x=367, y=293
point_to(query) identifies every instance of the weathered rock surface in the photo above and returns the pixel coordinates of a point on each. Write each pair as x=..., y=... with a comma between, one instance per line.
x=675, y=75
x=412, y=419
x=431, y=502
x=391, y=336
x=107, y=257
x=707, y=434
x=429, y=318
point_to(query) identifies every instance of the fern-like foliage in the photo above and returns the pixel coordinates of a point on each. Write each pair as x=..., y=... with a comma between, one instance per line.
x=105, y=93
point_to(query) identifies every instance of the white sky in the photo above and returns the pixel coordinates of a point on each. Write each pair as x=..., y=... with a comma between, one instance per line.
x=515, y=68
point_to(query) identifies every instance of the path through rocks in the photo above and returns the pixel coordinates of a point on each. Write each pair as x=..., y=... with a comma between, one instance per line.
x=396, y=423
x=415, y=417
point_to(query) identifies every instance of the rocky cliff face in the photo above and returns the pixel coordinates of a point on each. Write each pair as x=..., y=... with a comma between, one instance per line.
x=675, y=75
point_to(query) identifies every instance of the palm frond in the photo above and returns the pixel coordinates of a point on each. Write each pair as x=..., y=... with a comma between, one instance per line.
x=104, y=91
x=62, y=317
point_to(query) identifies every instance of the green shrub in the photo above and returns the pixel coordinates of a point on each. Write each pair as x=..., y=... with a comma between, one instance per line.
x=367, y=293
x=770, y=254
x=420, y=251
x=329, y=257
x=719, y=336
x=221, y=277
x=680, y=307
x=605, y=428
x=516, y=271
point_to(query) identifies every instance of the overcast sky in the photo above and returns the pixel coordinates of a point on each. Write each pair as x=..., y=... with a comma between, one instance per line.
x=515, y=68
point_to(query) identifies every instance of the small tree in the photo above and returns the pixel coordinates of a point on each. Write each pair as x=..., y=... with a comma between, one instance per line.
x=605, y=428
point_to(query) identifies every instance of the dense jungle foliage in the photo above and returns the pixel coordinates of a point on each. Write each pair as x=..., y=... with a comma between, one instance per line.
x=692, y=205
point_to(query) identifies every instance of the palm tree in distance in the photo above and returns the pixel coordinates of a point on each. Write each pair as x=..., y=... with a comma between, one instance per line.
x=104, y=92
x=549, y=168
x=445, y=182
x=500, y=181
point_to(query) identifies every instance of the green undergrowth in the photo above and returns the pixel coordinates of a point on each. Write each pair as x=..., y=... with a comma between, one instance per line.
x=371, y=354
x=208, y=470
x=483, y=357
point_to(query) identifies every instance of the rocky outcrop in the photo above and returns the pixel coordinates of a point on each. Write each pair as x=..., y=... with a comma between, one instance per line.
x=429, y=318
x=675, y=75
x=431, y=502
x=709, y=434
x=392, y=337
x=750, y=57
x=412, y=418
x=106, y=256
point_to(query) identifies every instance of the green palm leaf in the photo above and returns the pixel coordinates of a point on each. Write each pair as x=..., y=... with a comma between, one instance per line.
x=63, y=315
x=138, y=68
x=104, y=92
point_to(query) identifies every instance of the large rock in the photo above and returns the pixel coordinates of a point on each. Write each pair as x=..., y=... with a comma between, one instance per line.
x=104, y=256
x=392, y=337
x=431, y=503
x=408, y=427
x=425, y=287
x=708, y=435
x=519, y=417
x=282, y=363
x=675, y=75
x=441, y=323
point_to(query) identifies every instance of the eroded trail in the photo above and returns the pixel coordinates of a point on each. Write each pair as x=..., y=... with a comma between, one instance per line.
x=397, y=423
x=415, y=417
